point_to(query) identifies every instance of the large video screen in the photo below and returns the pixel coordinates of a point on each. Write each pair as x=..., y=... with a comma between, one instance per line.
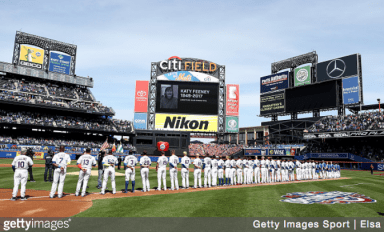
x=187, y=98
x=310, y=97
x=272, y=103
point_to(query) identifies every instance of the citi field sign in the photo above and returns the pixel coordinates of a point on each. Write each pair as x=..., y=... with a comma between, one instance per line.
x=175, y=63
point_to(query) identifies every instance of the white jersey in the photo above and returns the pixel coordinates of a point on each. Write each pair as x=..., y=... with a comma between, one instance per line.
x=283, y=165
x=215, y=164
x=298, y=164
x=278, y=164
x=198, y=163
x=257, y=163
x=239, y=164
x=62, y=159
x=186, y=161
x=250, y=164
x=174, y=160
x=313, y=165
x=233, y=163
x=221, y=163
x=162, y=161
x=228, y=164
x=110, y=159
x=207, y=162
x=130, y=161
x=291, y=165
x=145, y=161
x=87, y=161
x=262, y=163
x=268, y=164
x=22, y=162
x=273, y=164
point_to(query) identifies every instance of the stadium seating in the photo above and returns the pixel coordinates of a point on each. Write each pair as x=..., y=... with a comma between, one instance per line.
x=214, y=149
x=357, y=122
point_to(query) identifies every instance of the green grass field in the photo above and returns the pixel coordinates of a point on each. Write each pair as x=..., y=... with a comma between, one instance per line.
x=258, y=201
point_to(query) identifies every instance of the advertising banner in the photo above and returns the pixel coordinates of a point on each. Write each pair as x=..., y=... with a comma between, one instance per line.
x=272, y=103
x=140, y=121
x=31, y=56
x=187, y=97
x=177, y=122
x=187, y=76
x=59, y=63
x=233, y=100
x=278, y=81
x=266, y=152
x=345, y=134
x=302, y=76
x=337, y=68
x=38, y=155
x=232, y=124
x=351, y=90
x=141, y=96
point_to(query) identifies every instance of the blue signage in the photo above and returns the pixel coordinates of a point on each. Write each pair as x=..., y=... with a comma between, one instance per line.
x=274, y=82
x=140, y=121
x=59, y=63
x=267, y=152
x=351, y=90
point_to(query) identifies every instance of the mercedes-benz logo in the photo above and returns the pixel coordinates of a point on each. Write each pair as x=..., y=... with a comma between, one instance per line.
x=336, y=68
x=141, y=93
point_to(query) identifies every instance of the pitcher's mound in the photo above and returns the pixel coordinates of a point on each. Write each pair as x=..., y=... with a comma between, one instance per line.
x=94, y=173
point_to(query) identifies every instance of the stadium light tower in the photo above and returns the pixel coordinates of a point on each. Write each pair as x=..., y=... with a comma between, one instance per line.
x=378, y=100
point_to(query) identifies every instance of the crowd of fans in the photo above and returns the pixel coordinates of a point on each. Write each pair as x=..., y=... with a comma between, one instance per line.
x=41, y=119
x=214, y=149
x=50, y=94
x=41, y=142
x=357, y=122
x=276, y=146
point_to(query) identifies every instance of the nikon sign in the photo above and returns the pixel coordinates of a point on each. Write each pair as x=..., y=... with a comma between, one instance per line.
x=302, y=76
x=176, y=122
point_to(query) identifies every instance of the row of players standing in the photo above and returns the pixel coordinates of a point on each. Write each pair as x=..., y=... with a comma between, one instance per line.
x=213, y=168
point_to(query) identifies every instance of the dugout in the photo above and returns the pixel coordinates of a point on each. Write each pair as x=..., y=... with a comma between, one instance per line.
x=147, y=140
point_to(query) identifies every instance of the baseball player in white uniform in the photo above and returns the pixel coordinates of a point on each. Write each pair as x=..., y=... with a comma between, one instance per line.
x=313, y=169
x=161, y=171
x=292, y=170
x=85, y=163
x=283, y=171
x=109, y=163
x=228, y=170
x=173, y=161
x=185, y=162
x=239, y=166
x=145, y=163
x=298, y=170
x=250, y=171
x=269, y=169
x=207, y=171
x=263, y=170
x=197, y=163
x=20, y=165
x=278, y=171
x=220, y=172
x=215, y=166
x=257, y=170
x=245, y=166
x=233, y=170
x=130, y=162
x=60, y=161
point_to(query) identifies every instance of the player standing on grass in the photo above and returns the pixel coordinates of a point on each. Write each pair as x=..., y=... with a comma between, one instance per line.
x=197, y=163
x=145, y=163
x=257, y=170
x=263, y=170
x=20, y=166
x=130, y=172
x=239, y=166
x=220, y=172
x=60, y=161
x=250, y=170
x=173, y=161
x=269, y=170
x=273, y=173
x=228, y=171
x=298, y=170
x=207, y=171
x=245, y=165
x=278, y=171
x=215, y=166
x=85, y=163
x=185, y=162
x=161, y=171
x=109, y=163
x=233, y=170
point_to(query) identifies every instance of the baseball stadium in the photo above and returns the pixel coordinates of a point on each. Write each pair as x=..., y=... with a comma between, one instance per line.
x=66, y=156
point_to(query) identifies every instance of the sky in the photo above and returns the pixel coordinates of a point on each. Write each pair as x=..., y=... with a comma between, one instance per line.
x=117, y=40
